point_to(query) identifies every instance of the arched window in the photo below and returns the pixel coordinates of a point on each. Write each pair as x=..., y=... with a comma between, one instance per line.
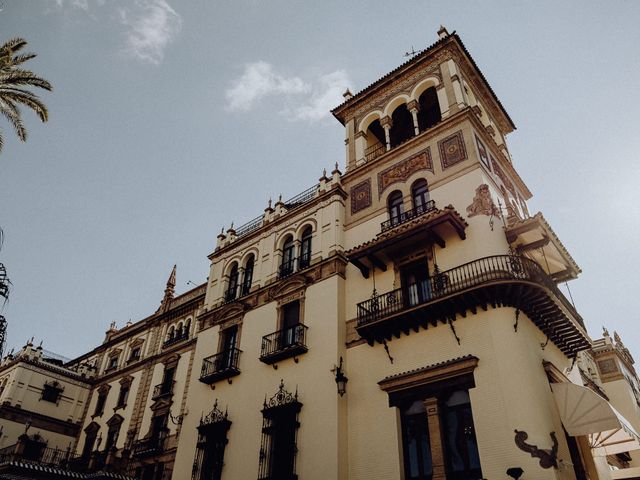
x=420, y=195
x=179, y=330
x=305, y=248
x=402, y=126
x=248, y=275
x=232, y=287
x=288, y=257
x=187, y=327
x=376, y=143
x=396, y=208
x=171, y=332
x=429, y=112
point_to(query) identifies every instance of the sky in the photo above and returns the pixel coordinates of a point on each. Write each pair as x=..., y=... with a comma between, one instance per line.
x=170, y=119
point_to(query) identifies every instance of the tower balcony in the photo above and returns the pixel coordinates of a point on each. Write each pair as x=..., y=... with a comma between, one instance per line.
x=422, y=225
x=499, y=281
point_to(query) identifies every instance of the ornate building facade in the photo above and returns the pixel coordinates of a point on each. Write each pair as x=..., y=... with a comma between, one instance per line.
x=398, y=319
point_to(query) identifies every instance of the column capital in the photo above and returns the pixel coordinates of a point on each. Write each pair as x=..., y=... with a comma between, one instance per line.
x=386, y=122
x=413, y=105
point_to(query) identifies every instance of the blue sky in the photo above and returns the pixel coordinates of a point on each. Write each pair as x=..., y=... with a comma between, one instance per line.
x=151, y=147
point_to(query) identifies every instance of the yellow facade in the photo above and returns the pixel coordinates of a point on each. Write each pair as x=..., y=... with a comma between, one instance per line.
x=417, y=273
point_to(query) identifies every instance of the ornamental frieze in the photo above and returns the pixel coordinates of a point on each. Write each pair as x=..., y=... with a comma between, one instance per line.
x=452, y=150
x=381, y=97
x=401, y=171
x=360, y=196
x=503, y=176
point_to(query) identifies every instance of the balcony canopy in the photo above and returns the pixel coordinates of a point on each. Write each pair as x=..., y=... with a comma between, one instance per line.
x=584, y=412
x=535, y=238
x=433, y=226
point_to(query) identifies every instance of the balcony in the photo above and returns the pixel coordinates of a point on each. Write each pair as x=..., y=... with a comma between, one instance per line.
x=163, y=390
x=419, y=227
x=374, y=151
x=294, y=265
x=404, y=217
x=220, y=366
x=149, y=447
x=499, y=281
x=282, y=344
x=176, y=339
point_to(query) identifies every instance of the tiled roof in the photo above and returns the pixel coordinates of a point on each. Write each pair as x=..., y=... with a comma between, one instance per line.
x=540, y=218
x=394, y=232
x=416, y=59
x=444, y=363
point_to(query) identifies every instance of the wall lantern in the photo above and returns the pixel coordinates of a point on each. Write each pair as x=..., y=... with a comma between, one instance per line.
x=341, y=379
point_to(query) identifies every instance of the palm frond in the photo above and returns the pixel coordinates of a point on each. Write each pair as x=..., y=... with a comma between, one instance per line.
x=14, y=44
x=32, y=101
x=12, y=114
x=13, y=87
x=23, y=77
x=18, y=59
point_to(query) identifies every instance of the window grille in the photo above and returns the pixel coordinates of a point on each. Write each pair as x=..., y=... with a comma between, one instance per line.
x=212, y=440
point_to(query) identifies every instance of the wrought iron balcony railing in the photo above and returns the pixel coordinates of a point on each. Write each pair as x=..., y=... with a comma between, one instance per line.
x=505, y=280
x=284, y=343
x=163, y=389
x=408, y=215
x=176, y=339
x=148, y=447
x=374, y=151
x=39, y=455
x=220, y=366
x=294, y=265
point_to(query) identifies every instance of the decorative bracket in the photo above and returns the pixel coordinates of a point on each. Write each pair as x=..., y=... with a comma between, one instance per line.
x=548, y=458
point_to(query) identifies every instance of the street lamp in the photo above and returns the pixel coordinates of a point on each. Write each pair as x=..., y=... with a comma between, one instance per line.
x=341, y=379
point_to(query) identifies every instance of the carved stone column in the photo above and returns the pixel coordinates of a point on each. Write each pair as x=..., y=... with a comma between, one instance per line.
x=386, y=124
x=435, y=439
x=413, y=108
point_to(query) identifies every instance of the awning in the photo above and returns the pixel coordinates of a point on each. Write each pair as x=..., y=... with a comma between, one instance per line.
x=584, y=412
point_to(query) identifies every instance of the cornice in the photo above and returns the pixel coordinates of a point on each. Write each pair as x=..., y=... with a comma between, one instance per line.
x=301, y=210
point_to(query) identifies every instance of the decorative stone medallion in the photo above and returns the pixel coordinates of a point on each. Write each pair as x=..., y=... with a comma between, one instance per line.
x=452, y=150
x=401, y=171
x=482, y=203
x=484, y=157
x=360, y=196
x=607, y=366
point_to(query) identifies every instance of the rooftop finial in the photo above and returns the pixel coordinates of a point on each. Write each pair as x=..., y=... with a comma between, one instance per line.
x=168, y=291
x=442, y=32
x=347, y=94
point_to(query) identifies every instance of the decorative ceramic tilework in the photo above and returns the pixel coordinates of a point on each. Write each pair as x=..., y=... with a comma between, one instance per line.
x=361, y=196
x=452, y=150
x=404, y=169
x=503, y=176
x=607, y=366
x=484, y=157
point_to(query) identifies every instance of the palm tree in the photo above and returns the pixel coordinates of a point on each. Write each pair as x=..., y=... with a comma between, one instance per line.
x=14, y=82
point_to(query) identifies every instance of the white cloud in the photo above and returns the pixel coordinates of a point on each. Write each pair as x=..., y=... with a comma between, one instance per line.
x=312, y=100
x=327, y=95
x=148, y=26
x=152, y=25
x=258, y=81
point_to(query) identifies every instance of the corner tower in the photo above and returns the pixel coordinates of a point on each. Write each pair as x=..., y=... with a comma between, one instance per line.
x=451, y=299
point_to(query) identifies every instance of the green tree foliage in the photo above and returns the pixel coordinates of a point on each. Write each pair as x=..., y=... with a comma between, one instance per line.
x=14, y=87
